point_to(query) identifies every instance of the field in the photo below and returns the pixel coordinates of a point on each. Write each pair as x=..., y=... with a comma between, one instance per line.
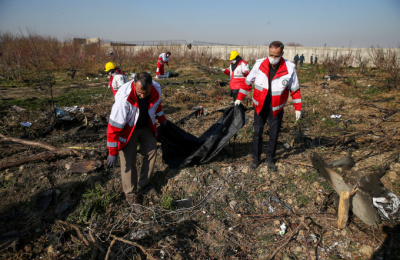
x=219, y=210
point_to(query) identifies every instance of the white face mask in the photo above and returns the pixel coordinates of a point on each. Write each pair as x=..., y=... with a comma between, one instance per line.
x=274, y=61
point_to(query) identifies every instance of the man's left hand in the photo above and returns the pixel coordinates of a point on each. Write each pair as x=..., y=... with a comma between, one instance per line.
x=298, y=115
x=164, y=123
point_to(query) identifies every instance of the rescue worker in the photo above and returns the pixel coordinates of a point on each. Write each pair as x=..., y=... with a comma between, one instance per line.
x=117, y=77
x=132, y=121
x=274, y=78
x=162, y=59
x=238, y=71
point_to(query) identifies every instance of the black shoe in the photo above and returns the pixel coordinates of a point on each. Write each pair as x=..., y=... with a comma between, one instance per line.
x=254, y=164
x=271, y=165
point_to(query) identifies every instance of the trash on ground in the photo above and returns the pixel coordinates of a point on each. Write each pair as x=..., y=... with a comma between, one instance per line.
x=75, y=109
x=283, y=229
x=83, y=167
x=26, y=124
x=17, y=108
x=336, y=116
x=184, y=203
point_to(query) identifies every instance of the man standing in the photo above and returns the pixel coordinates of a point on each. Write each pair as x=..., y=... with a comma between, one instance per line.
x=296, y=59
x=162, y=59
x=316, y=60
x=117, y=77
x=311, y=60
x=132, y=121
x=301, y=60
x=273, y=77
x=238, y=70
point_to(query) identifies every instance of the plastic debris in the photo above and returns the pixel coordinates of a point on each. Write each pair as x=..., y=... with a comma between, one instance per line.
x=283, y=229
x=60, y=112
x=336, y=116
x=139, y=234
x=184, y=203
x=388, y=205
x=17, y=108
x=75, y=109
x=26, y=124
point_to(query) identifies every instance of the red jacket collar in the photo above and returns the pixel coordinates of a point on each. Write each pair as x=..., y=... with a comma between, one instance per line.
x=282, y=69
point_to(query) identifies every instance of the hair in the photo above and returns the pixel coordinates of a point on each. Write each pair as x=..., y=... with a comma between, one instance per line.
x=169, y=53
x=145, y=79
x=277, y=44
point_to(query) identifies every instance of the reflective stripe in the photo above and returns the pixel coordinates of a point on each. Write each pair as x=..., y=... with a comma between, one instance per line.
x=248, y=82
x=115, y=124
x=297, y=100
x=112, y=144
x=276, y=93
x=122, y=139
x=131, y=123
x=296, y=88
x=259, y=88
x=243, y=91
x=238, y=76
x=278, y=107
x=255, y=102
x=160, y=113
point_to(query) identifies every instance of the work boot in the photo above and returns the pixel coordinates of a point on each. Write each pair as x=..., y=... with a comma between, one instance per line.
x=254, y=164
x=271, y=165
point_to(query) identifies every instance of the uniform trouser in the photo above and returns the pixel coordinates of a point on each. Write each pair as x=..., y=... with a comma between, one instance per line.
x=148, y=148
x=160, y=69
x=234, y=94
x=274, y=129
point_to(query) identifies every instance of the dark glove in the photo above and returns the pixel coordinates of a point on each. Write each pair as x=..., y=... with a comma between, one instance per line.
x=111, y=159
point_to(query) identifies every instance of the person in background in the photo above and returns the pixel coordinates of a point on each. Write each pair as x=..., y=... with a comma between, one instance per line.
x=311, y=60
x=316, y=60
x=117, y=77
x=301, y=60
x=296, y=59
x=274, y=78
x=133, y=121
x=238, y=71
x=162, y=59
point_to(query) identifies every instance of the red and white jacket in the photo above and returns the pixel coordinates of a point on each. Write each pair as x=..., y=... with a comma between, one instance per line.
x=125, y=113
x=117, y=79
x=238, y=76
x=163, y=59
x=285, y=81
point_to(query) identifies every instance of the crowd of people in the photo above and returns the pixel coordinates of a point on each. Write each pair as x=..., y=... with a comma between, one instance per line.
x=138, y=104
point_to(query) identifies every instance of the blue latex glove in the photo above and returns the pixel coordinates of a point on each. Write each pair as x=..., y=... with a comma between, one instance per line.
x=111, y=159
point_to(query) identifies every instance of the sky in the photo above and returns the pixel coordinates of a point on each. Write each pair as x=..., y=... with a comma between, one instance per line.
x=310, y=23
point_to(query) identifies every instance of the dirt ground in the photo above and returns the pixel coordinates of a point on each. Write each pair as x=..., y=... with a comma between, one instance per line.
x=50, y=208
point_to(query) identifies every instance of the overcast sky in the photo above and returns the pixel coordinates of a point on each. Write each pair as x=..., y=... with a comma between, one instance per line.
x=336, y=23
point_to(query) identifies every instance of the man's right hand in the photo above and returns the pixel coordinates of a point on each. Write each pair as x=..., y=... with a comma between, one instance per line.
x=237, y=102
x=111, y=159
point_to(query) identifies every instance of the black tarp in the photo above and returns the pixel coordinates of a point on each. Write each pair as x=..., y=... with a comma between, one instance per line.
x=180, y=148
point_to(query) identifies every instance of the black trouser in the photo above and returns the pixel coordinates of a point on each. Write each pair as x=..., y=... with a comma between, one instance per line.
x=234, y=93
x=274, y=129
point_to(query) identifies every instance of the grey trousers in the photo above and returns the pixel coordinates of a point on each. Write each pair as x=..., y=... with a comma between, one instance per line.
x=148, y=148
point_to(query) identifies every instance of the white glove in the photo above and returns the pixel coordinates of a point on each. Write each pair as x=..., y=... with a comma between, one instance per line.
x=237, y=102
x=298, y=114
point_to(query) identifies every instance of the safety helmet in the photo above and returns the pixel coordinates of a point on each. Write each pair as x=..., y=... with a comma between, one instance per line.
x=233, y=55
x=109, y=66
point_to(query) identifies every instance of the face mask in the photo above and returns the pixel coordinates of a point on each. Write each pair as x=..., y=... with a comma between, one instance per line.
x=234, y=61
x=274, y=61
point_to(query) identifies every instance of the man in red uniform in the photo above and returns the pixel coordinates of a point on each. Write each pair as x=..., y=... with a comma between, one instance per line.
x=238, y=71
x=162, y=59
x=132, y=121
x=274, y=78
x=117, y=77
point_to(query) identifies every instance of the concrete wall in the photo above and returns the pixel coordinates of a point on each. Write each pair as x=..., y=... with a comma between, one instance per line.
x=252, y=53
